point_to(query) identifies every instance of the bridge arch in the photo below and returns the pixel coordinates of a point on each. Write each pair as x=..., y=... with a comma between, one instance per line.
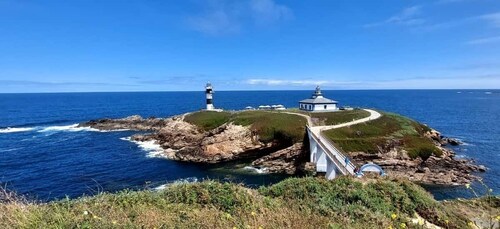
x=370, y=167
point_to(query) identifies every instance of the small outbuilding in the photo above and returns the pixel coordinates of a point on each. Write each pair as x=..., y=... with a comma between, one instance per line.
x=318, y=103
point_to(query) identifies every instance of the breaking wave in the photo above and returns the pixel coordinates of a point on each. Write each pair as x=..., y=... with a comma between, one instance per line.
x=71, y=128
x=15, y=129
x=256, y=170
x=179, y=181
x=154, y=149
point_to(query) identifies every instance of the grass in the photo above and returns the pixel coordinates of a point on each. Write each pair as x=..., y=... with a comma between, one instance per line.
x=294, y=203
x=208, y=120
x=390, y=130
x=338, y=117
x=270, y=126
x=386, y=131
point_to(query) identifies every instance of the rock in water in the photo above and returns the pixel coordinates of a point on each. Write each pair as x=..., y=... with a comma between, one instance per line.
x=290, y=160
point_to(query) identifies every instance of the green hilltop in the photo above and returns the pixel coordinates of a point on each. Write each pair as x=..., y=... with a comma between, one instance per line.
x=366, y=137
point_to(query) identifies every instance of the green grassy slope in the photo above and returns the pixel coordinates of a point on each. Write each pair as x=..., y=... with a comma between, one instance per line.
x=338, y=117
x=269, y=126
x=208, y=120
x=369, y=136
x=293, y=203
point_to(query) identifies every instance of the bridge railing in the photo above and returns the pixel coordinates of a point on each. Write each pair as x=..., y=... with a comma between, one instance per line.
x=334, y=153
x=344, y=160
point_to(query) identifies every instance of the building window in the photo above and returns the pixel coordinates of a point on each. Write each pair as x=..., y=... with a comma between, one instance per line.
x=325, y=107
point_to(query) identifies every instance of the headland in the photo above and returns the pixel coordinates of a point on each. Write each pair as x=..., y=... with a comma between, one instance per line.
x=275, y=141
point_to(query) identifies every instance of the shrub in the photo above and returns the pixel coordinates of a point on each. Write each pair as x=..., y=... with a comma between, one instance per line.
x=225, y=196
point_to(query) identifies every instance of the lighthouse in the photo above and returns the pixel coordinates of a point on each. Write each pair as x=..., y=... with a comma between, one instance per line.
x=209, y=92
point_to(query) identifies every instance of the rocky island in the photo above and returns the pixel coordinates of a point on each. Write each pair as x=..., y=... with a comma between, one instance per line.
x=276, y=141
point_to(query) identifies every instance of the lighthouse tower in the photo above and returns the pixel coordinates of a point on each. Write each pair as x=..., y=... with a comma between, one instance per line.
x=209, y=92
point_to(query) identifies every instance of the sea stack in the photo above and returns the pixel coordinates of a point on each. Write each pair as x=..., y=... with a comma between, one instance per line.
x=208, y=92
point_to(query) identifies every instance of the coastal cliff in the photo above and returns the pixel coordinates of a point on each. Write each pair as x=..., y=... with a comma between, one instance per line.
x=275, y=141
x=195, y=138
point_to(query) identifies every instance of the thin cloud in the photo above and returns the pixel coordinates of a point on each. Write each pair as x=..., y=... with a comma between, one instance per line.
x=219, y=19
x=299, y=82
x=174, y=80
x=482, y=41
x=449, y=1
x=42, y=83
x=408, y=16
x=267, y=11
x=276, y=82
x=229, y=17
x=493, y=18
x=476, y=66
x=431, y=82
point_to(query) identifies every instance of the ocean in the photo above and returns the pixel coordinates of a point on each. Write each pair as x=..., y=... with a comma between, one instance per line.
x=43, y=154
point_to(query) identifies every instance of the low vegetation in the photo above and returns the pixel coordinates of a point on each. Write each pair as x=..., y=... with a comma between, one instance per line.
x=273, y=126
x=334, y=118
x=293, y=203
x=208, y=120
x=270, y=126
x=388, y=130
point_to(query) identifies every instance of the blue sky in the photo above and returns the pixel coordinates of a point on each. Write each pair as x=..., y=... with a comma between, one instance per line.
x=155, y=45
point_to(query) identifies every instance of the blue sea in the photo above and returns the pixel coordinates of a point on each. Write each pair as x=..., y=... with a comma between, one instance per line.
x=45, y=156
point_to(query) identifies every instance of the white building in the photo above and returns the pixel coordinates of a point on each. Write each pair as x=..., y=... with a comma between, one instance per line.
x=318, y=103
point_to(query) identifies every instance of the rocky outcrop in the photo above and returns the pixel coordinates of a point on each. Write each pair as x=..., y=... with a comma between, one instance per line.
x=134, y=122
x=442, y=140
x=185, y=142
x=291, y=160
x=440, y=170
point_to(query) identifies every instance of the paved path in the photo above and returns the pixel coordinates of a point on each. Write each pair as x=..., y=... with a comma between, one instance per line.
x=335, y=154
x=317, y=129
x=308, y=118
x=373, y=115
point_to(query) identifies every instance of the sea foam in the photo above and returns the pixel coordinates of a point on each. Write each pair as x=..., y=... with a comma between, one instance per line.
x=256, y=170
x=154, y=149
x=74, y=128
x=15, y=129
x=179, y=181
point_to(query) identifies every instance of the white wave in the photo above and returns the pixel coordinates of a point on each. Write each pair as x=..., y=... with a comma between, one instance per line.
x=488, y=93
x=179, y=181
x=256, y=170
x=154, y=149
x=15, y=129
x=71, y=128
x=467, y=144
x=9, y=150
x=75, y=128
x=117, y=130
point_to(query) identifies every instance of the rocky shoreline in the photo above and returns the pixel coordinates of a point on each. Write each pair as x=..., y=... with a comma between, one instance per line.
x=183, y=141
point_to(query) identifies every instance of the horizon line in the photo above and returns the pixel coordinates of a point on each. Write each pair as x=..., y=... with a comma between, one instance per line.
x=385, y=89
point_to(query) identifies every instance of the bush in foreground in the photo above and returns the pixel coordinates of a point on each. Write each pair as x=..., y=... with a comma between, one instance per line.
x=293, y=203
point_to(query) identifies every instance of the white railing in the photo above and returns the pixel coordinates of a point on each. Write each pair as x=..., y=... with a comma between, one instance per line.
x=344, y=160
x=336, y=155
